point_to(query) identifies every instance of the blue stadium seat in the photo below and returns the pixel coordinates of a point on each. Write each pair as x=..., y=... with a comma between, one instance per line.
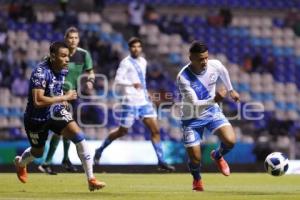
x=267, y=97
x=174, y=58
x=15, y=112
x=4, y=111
x=280, y=105
x=291, y=106
x=105, y=36
x=256, y=96
x=244, y=87
x=278, y=22
x=117, y=38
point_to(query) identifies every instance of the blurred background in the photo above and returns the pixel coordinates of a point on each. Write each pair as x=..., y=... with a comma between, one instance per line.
x=257, y=40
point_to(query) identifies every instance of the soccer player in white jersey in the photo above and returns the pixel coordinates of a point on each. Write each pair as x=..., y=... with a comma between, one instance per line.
x=197, y=86
x=135, y=102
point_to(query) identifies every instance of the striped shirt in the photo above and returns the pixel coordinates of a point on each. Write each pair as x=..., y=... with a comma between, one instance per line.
x=197, y=91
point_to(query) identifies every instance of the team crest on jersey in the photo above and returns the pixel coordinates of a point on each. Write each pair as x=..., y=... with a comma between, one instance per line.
x=212, y=79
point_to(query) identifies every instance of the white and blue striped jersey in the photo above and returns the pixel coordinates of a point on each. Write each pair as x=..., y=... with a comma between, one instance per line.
x=132, y=70
x=197, y=91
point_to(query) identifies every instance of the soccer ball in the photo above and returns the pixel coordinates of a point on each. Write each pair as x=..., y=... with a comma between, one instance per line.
x=276, y=164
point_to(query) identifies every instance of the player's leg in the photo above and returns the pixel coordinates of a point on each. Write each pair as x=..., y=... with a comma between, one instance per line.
x=46, y=167
x=228, y=138
x=152, y=125
x=52, y=148
x=225, y=132
x=27, y=157
x=66, y=163
x=194, y=153
x=37, y=138
x=127, y=115
x=191, y=140
x=72, y=132
x=66, y=160
x=115, y=134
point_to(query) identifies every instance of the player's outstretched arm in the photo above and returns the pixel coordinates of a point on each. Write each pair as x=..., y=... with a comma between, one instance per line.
x=234, y=95
x=224, y=75
x=40, y=100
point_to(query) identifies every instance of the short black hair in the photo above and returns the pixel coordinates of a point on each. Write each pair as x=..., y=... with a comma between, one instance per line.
x=55, y=46
x=198, y=47
x=134, y=40
x=71, y=29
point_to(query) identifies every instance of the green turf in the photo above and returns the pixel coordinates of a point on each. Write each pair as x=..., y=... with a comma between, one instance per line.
x=152, y=187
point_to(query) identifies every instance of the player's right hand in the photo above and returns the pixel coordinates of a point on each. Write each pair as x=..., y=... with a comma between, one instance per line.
x=71, y=95
x=234, y=95
x=137, y=85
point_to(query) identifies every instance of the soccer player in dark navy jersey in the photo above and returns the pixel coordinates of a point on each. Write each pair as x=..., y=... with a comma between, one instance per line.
x=80, y=63
x=46, y=111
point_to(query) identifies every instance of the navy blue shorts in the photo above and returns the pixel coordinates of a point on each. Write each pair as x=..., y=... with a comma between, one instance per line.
x=37, y=131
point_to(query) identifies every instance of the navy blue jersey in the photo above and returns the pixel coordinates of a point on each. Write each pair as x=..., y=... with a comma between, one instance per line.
x=43, y=77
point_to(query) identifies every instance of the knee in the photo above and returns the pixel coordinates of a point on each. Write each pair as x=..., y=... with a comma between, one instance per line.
x=195, y=160
x=155, y=135
x=230, y=143
x=78, y=137
x=37, y=153
x=123, y=131
x=154, y=131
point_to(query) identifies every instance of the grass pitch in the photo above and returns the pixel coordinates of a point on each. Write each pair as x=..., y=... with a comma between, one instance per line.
x=253, y=186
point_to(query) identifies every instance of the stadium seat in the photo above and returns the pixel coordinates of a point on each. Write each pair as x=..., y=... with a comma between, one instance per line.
x=95, y=18
x=4, y=111
x=3, y=122
x=269, y=105
x=83, y=18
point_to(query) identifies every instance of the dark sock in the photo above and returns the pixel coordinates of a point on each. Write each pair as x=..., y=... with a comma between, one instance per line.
x=221, y=151
x=195, y=170
x=52, y=147
x=159, y=151
x=106, y=142
x=66, y=149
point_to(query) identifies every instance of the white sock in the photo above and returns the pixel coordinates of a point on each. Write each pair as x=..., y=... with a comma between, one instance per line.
x=85, y=157
x=26, y=157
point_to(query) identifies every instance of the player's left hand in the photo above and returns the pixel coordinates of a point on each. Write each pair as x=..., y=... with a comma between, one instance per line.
x=234, y=95
x=89, y=85
x=66, y=104
x=89, y=88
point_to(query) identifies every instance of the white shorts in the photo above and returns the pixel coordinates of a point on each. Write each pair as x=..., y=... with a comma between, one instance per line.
x=130, y=113
x=193, y=128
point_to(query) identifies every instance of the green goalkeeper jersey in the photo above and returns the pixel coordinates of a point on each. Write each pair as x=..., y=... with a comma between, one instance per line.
x=80, y=62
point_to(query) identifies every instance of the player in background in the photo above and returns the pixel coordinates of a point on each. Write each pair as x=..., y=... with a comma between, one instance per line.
x=197, y=86
x=46, y=111
x=80, y=62
x=130, y=76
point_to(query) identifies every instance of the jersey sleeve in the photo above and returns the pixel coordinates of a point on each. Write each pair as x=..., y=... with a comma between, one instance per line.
x=224, y=76
x=188, y=94
x=38, y=79
x=88, y=62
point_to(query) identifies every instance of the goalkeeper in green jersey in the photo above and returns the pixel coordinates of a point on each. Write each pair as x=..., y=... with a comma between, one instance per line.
x=80, y=63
